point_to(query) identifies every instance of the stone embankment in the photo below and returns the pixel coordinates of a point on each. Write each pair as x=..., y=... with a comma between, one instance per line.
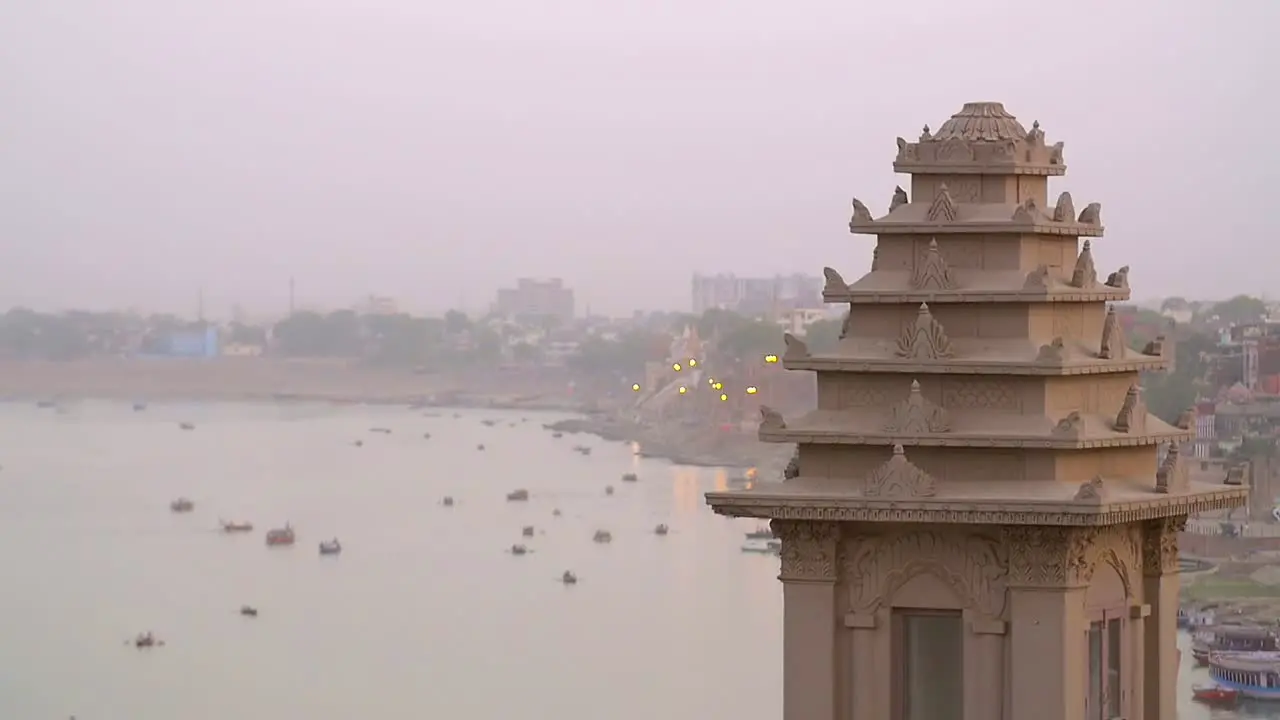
x=685, y=444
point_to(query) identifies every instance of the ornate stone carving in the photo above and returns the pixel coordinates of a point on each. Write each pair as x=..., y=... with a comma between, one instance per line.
x=1155, y=348
x=943, y=208
x=1119, y=279
x=1028, y=213
x=1035, y=136
x=1053, y=353
x=875, y=258
x=808, y=550
x=1160, y=545
x=1187, y=420
x=771, y=419
x=899, y=478
x=861, y=215
x=931, y=271
x=1091, y=491
x=1091, y=215
x=792, y=470
x=976, y=568
x=955, y=150
x=834, y=282
x=846, y=325
x=1065, y=210
x=1085, y=275
x=924, y=134
x=1037, y=279
x=1172, y=475
x=980, y=394
x=1132, y=417
x=1070, y=427
x=1055, y=153
x=796, y=349
x=905, y=151
x=1042, y=556
x=899, y=197
x=924, y=338
x=916, y=415
x=1113, y=346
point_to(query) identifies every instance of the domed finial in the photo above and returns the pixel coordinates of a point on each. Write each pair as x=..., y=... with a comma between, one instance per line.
x=1035, y=124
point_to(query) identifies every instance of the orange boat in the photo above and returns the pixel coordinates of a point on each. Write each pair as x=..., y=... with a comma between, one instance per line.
x=1215, y=695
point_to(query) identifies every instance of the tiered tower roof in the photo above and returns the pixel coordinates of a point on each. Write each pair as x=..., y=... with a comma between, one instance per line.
x=981, y=361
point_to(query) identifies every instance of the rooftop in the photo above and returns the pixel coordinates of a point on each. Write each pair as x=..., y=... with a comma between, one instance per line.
x=982, y=122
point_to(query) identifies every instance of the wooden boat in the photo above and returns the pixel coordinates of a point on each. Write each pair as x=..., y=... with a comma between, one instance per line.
x=519, y=550
x=333, y=547
x=1231, y=638
x=182, y=505
x=630, y=477
x=280, y=537
x=527, y=531
x=1215, y=695
x=661, y=530
x=248, y=611
x=447, y=501
x=145, y=640
x=568, y=578
x=763, y=533
x=236, y=527
x=602, y=536
x=758, y=545
x=518, y=495
x=1250, y=674
x=187, y=426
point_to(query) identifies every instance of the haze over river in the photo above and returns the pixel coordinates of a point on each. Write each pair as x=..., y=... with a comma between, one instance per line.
x=425, y=614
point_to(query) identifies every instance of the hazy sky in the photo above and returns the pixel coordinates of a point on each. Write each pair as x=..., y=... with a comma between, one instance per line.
x=433, y=151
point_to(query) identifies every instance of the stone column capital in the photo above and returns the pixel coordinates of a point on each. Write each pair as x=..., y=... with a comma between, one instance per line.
x=809, y=549
x=1048, y=556
x=1160, y=545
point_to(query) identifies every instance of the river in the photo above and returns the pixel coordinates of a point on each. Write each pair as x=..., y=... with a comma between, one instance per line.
x=424, y=614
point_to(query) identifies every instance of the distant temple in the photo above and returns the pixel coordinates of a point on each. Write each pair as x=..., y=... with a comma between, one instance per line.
x=976, y=525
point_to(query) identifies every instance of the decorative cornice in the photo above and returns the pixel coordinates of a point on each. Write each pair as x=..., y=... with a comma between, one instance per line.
x=861, y=215
x=835, y=363
x=1092, y=491
x=1091, y=215
x=1119, y=279
x=876, y=227
x=1059, y=439
x=972, y=512
x=932, y=272
x=899, y=478
x=923, y=338
x=1030, y=292
x=916, y=415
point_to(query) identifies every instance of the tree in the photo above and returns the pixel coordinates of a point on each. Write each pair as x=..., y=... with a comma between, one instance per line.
x=456, y=322
x=751, y=339
x=1241, y=309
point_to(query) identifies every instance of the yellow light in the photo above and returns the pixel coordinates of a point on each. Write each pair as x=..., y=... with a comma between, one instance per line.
x=683, y=389
x=723, y=397
x=675, y=366
x=693, y=363
x=635, y=387
x=752, y=390
x=718, y=386
x=771, y=358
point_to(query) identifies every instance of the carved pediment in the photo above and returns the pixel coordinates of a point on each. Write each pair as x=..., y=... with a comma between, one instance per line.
x=1132, y=417
x=1053, y=353
x=1065, y=210
x=796, y=349
x=899, y=197
x=955, y=150
x=771, y=419
x=943, y=208
x=1028, y=213
x=1070, y=427
x=861, y=215
x=1085, y=274
x=1037, y=279
x=1119, y=279
x=916, y=415
x=899, y=478
x=923, y=338
x=931, y=272
x=1091, y=491
x=1172, y=475
x=1112, y=346
x=834, y=282
x=1091, y=214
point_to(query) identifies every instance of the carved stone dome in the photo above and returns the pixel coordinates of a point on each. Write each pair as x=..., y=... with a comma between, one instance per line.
x=982, y=121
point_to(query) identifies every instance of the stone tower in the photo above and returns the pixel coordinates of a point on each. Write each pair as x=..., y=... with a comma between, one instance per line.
x=975, y=525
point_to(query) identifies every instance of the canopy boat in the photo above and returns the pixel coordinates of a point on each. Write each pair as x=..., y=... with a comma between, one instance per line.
x=248, y=611
x=661, y=530
x=281, y=536
x=568, y=578
x=603, y=536
x=519, y=550
x=630, y=477
x=762, y=546
x=333, y=547
x=145, y=640
x=1231, y=638
x=1215, y=695
x=236, y=527
x=182, y=505
x=518, y=495
x=1251, y=674
x=763, y=533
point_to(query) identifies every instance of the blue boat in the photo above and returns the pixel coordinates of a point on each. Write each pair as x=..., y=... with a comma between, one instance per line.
x=1254, y=675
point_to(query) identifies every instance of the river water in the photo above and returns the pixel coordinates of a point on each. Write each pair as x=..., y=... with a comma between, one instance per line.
x=425, y=613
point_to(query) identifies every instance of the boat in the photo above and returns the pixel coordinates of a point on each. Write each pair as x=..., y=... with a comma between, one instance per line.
x=568, y=578
x=139, y=407
x=608, y=490
x=46, y=404
x=480, y=446
x=281, y=536
x=382, y=430
x=602, y=536
x=248, y=611
x=519, y=550
x=146, y=640
x=518, y=495
x=1231, y=638
x=488, y=423
x=1251, y=674
x=557, y=435
x=662, y=529
x=187, y=426
x=1215, y=695
x=527, y=531
x=182, y=505
x=763, y=533
x=333, y=547
x=236, y=527
x=630, y=477
x=426, y=436
x=772, y=547
x=447, y=501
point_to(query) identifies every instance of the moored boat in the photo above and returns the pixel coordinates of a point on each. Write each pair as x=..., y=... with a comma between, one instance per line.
x=630, y=477
x=1231, y=638
x=236, y=527
x=248, y=611
x=763, y=533
x=1251, y=674
x=762, y=546
x=281, y=536
x=602, y=536
x=518, y=495
x=662, y=529
x=332, y=547
x=1215, y=695
x=568, y=578
x=182, y=505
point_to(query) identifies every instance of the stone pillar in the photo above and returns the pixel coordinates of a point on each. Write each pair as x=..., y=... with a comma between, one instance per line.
x=1046, y=621
x=1160, y=632
x=810, y=619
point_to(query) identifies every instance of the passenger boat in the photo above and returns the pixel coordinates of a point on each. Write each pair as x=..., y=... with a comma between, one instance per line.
x=602, y=536
x=182, y=505
x=281, y=536
x=519, y=550
x=248, y=611
x=333, y=547
x=661, y=530
x=568, y=578
x=762, y=546
x=1252, y=674
x=630, y=477
x=1231, y=638
x=518, y=495
x=1215, y=695
x=763, y=533
x=236, y=527
x=145, y=640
